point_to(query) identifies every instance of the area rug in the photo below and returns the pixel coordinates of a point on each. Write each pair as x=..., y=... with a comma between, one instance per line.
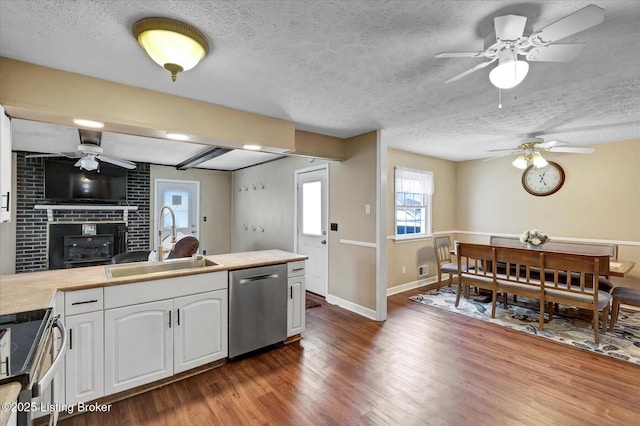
x=568, y=326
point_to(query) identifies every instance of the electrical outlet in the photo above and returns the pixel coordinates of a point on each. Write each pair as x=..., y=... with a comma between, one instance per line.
x=423, y=270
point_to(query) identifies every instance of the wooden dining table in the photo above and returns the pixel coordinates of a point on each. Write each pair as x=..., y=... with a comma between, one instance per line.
x=619, y=268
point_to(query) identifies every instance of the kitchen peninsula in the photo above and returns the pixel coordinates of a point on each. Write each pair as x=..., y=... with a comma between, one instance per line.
x=127, y=330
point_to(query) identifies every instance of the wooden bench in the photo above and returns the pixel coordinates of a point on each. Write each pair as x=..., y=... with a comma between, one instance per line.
x=550, y=277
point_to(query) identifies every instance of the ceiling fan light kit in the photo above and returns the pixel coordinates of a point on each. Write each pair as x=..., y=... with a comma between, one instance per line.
x=173, y=45
x=509, y=72
x=88, y=163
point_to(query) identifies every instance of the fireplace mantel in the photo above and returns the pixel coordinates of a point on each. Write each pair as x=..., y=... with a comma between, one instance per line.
x=50, y=208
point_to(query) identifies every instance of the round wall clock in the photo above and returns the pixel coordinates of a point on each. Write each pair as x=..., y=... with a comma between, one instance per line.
x=543, y=181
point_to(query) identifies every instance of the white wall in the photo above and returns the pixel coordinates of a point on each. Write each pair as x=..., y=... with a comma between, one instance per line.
x=215, y=205
x=269, y=207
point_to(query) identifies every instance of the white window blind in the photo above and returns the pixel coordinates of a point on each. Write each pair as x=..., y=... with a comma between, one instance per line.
x=413, y=190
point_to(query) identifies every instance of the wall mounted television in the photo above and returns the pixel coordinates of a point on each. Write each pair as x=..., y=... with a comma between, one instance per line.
x=63, y=182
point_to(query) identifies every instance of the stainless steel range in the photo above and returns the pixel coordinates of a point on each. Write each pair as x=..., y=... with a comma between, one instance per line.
x=29, y=359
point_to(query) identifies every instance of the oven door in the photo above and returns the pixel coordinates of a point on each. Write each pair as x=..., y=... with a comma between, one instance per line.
x=48, y=363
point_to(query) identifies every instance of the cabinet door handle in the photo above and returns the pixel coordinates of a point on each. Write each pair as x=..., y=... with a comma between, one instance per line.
x=8, y=196
x=290, y=292
x=169, y=319
x=6, y=363
x=85, y=302
x=178, y=311
x=297, y=269
x=70, y=338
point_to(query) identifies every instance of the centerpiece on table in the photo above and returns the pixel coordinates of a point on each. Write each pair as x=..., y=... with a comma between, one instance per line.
x=534, y=239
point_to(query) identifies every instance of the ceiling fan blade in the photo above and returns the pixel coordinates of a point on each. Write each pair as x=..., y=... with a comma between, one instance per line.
x=555, y=52
x=572, y=149
x=71, y=154
x=44, y=155
x=511, y=150
x=509, y=27
x=470, y=70
x=118, y=162
x=549, y=144
x=499, y=156
x=580, y=20
x=459, y=55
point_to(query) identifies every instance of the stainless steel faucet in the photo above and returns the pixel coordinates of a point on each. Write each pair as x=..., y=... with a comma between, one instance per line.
x=161, y=250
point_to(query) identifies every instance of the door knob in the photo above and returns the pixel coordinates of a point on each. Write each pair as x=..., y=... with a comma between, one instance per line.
x=323, y=242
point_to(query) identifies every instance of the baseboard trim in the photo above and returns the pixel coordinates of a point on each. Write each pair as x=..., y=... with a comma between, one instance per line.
x=353, y=307
x=410, y=286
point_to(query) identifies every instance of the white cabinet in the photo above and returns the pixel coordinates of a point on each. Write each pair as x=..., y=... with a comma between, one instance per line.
x=84, y=380
x=138, y=345
x=5, y=167
x=295, y=298
x=84, y=360
x=200, y=333
x=145, y=342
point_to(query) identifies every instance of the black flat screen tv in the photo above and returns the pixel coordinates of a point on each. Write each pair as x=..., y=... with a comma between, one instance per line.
x=63, y=182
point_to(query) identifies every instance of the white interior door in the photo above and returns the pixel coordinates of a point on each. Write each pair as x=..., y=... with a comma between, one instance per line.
x=312, y=223
x=184, y=198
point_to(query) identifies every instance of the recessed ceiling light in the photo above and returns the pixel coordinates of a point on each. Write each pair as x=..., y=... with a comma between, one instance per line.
x=88, y=123
x=252, y=147
x=177, y=136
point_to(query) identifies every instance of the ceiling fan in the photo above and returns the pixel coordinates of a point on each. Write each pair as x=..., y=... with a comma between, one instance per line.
x=89, y=153
x=510, y=42
x=531, y=148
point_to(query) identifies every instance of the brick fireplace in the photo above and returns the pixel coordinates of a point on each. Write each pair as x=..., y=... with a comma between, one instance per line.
x=33, y=225
x=78, y=244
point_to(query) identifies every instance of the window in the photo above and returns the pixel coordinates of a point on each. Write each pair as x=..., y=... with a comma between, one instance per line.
x=413, y=190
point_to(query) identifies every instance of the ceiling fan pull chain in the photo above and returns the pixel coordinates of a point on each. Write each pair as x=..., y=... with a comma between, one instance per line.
x=499, y=98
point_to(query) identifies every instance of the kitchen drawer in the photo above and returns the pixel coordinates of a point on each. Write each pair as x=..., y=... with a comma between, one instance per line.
x=81, y=301
x=295, y=269
x=167, y=288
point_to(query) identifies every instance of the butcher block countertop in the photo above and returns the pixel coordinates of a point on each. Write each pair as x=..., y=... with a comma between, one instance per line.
x=35, y=290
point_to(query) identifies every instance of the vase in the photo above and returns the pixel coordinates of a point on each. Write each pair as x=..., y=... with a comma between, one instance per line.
x=533, y=246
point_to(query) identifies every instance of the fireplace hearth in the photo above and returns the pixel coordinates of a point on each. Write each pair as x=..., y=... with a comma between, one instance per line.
x=77, y=244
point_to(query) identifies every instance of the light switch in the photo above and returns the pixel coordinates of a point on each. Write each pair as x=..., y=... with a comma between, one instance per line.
x=367, y=209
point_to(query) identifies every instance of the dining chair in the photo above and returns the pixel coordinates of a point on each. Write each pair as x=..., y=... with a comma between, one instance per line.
x=442, y=248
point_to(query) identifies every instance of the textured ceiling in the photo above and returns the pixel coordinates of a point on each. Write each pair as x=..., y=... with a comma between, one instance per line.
x=346, y=67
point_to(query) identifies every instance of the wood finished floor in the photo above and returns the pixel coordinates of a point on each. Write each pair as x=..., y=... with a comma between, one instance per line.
x=423, y=366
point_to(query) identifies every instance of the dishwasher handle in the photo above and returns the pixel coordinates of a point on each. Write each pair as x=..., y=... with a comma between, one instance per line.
x=259, y=278
x=59, y=359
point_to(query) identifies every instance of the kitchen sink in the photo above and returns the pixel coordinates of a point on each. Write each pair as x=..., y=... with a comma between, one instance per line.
x=142, y=268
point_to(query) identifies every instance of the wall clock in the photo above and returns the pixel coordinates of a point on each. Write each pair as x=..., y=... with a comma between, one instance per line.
x=543, y=181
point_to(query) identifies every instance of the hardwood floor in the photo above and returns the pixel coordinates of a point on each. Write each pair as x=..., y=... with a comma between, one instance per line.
x=423, y=366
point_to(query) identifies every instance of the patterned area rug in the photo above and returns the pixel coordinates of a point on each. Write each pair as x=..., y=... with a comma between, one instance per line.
x=569, y=326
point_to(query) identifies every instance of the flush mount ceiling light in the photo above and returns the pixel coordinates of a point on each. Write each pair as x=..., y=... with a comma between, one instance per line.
x=252, y=147
x=88, y=123
x=510, y=71
x=177, y=136
x=173, y=45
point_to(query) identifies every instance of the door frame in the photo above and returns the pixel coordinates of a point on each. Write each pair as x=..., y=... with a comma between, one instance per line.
x=298, y=172
x=156, y=181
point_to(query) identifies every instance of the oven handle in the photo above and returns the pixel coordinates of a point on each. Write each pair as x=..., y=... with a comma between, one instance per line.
x=48, y=376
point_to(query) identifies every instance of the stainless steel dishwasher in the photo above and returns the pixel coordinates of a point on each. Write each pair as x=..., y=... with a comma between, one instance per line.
x=257, y=308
